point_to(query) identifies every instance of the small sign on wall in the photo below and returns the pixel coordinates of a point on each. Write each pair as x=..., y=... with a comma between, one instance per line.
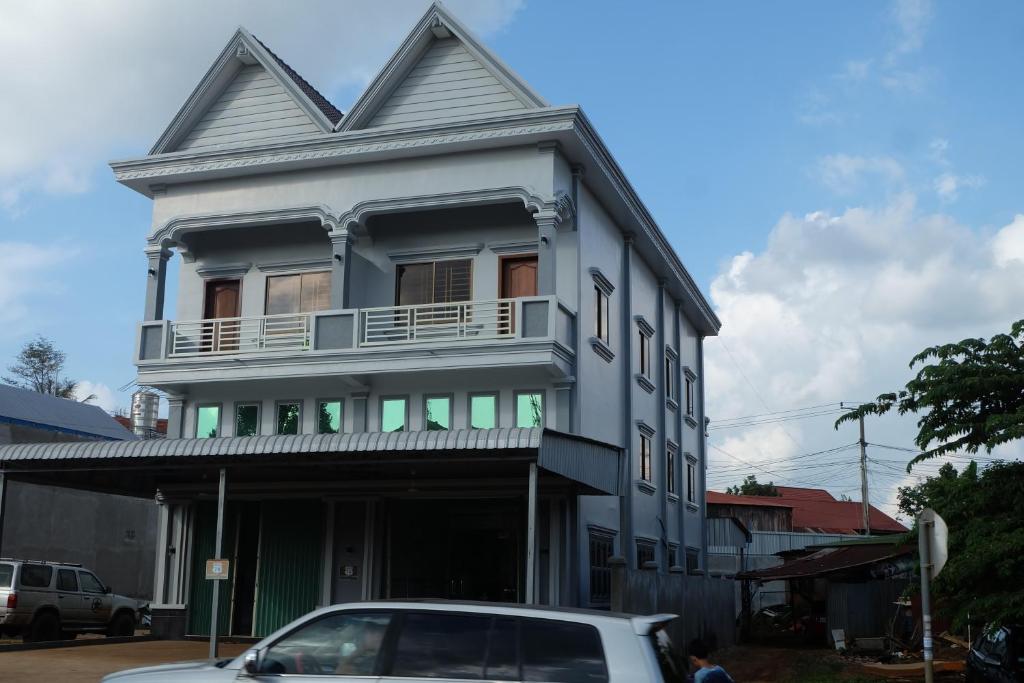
x=350, y=571
x=217, y=570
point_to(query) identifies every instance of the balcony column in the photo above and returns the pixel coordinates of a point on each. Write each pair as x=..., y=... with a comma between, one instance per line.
x=341, y=257
x=547, y=243
x=156, y=277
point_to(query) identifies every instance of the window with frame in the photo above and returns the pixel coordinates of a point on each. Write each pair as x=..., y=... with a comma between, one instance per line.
x=670, y=383
x=207, y=422
x=645, y=457
x=483, y=411
x=394, y=413
x=601, y=326
x=645, y=353
x=342, y=644
x=329, y=415
x=644, y=553
x=247, y=419
x=298, y=293
x=434, y=282
x=67, y=581
x=691, y=481
x=673, y=556
x=670, y=469
x=437, y=413
x=35, y=576
x=689, y=396
x=530, y=409
x=289, y=417
x=602, y=545
x=692, y=560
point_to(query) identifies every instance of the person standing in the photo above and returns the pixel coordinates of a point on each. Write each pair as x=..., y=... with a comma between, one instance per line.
x=706, y=672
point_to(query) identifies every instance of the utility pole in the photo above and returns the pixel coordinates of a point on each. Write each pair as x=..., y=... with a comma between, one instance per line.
x=865, y=506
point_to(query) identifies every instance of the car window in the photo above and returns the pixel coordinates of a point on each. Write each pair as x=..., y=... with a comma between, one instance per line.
x=670, y=661
x=36, y=575
x=340, y=644
x=503, y=650
x=66, y=580
x=439, y=645
x=997, y=649
x=561, y=652
x=90, y=584
x=6, y=574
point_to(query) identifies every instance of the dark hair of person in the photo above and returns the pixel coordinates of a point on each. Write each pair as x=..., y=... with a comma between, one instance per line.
x=699, y=649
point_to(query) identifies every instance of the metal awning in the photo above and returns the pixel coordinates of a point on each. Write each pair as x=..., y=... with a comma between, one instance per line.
x=832, y=559
x=589, y=462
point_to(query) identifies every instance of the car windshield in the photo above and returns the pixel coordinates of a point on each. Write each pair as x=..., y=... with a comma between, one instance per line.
x=6, y=574
x=670, y=661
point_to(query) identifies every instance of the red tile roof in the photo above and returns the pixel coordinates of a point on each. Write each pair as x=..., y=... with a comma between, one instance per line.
x=816, y=510
x=126, y=422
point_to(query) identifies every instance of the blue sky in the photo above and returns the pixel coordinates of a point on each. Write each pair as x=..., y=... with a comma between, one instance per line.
x=843, y=166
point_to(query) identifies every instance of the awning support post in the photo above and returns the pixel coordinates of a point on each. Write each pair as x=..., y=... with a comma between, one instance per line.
x=217, y=552
x=531, y=536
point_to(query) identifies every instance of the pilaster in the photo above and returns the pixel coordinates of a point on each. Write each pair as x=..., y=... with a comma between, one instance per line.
x=175, y=417
x=360, y=412
x=341, y=258
x=156, y=277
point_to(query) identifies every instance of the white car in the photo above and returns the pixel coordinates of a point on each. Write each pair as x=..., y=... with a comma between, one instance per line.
x=424, y=641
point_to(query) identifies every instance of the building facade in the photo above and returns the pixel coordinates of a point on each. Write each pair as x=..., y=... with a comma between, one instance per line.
x=437, y=343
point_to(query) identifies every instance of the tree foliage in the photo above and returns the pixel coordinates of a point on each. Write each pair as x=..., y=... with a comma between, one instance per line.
x=751, y=487
x=39, y=367
x=968, y=395
x=984, y=575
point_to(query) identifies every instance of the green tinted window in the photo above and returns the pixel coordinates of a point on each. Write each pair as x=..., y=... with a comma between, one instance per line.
x=483, y=412
x=530, y=410
x=392, y=415
x=247, y=420
x=207, y=422
x=288, y=418
x=329, y=417
x=438, y=413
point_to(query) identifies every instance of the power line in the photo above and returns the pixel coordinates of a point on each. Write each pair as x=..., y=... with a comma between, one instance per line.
x=774, y=420
x=778, y=412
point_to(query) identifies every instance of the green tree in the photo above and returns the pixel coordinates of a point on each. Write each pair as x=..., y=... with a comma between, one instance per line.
x=968, y=396
x=984, y=576
x=39, y=366
x=751, y=487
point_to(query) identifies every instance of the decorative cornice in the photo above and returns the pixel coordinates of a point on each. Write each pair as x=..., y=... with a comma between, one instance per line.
x=515, y=247
x=602, y=349
x=690, y=374
x=174, y=229
x=645, y=383
x=223, y=270
x=671, y=352
x=154, y=251
x=601, y=281
x=644, y=326
x=294, y=265
x=645, y=428
x=429, y=253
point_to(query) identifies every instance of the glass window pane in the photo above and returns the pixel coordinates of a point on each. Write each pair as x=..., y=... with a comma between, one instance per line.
x=338, y=645
x=207, y=422
x=247, y=420
x=452, y=281
x=439, y=645
x=316, y=292
x=415, y=284
x=36, y=575
x=90, y=584
x=483, y=412
x=329, y=417
x=561, y=652
x=288, y=418
x=530, y=410
x=392, y=415
x=66, y=580
x=283, y=294
x=438, y=413
x=6, y=575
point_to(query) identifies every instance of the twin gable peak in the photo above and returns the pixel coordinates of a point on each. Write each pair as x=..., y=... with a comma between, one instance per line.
x=249, y=94
x=441, y=73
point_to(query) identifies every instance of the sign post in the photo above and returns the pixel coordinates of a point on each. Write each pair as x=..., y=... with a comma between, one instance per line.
x=932, y=535
x=213, y=566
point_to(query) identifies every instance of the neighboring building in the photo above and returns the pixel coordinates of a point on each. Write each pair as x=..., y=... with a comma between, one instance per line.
x=159, y=431
x=434, y=342
x=115, y=536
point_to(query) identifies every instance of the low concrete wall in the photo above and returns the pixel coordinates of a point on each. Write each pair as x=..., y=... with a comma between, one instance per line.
x=114, y=536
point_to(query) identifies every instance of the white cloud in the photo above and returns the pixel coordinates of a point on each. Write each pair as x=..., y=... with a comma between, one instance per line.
x=844, y=173
x=911, y=18
x=832, y=310
x=100, y=78
x=105, y=397
x=23, y=280
x=948, y=185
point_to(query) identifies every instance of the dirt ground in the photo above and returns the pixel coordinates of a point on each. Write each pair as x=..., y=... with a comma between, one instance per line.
x=90, y=663
x=759, y=664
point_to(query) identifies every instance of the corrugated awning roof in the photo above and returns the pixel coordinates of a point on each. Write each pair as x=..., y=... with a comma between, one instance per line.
x=590, y=462
x=830, y=560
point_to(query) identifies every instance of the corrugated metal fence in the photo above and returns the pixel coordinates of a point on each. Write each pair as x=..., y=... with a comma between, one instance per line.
x=864, y=610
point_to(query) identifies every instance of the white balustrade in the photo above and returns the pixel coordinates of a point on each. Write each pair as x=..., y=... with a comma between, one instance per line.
x=437, y=322
x=287, y=332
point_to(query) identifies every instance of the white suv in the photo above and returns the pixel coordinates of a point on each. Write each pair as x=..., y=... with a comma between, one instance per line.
x=400, y=642
x=42, y=601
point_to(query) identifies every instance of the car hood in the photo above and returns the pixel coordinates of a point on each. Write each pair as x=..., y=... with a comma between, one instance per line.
x=194, y=672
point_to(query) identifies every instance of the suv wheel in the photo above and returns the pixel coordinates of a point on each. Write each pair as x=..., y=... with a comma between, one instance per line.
x=122, y=625
x=44, y=628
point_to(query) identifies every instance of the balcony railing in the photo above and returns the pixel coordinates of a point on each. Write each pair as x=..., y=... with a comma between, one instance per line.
x=437, y=322
x=289, y=332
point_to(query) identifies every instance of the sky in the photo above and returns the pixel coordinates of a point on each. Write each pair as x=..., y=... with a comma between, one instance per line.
x=842, y=179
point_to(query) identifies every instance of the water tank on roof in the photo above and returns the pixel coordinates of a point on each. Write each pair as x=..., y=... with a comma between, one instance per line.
x=145, y=407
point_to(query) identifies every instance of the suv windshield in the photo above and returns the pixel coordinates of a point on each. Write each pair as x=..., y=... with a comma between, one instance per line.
x=6, y=574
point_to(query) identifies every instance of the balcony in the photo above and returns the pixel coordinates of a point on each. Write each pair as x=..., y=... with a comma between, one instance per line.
x=539, y=330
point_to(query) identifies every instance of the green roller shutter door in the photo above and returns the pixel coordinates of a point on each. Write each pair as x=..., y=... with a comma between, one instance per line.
x=290, y=572
x=201, y=590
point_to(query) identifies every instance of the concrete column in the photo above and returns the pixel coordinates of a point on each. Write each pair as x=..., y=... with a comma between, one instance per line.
x=626, y=548
x=162, y=543
x=218, y=549
x=531, y=536
x=175, y=417
x=547, y=241
x=662, y=428
x=360, y=412
x=563, y=407
x=156, y=276
x=341, y=259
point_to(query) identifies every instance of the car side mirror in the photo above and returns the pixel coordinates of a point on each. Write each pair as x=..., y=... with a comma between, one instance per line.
x=251, y=662
x=106, y=590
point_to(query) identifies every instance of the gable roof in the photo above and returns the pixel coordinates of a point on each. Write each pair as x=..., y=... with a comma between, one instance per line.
x=243, y=51
x=816, y=510
x=62, y=415
x=438, y=25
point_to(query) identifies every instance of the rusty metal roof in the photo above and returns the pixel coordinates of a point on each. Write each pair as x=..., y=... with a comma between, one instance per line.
x=832, y=559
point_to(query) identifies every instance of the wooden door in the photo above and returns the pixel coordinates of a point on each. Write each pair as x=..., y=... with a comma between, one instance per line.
x=518, y=278
x=222, y=301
